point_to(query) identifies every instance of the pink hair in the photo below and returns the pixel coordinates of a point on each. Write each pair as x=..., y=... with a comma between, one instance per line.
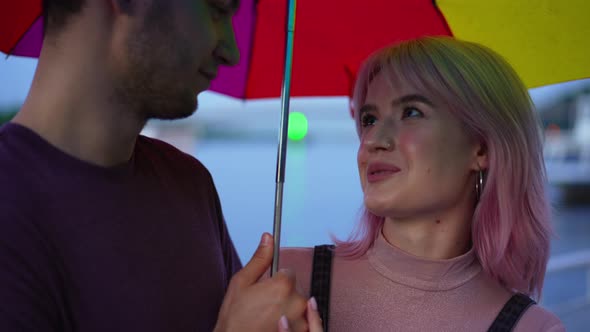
x=511, y=223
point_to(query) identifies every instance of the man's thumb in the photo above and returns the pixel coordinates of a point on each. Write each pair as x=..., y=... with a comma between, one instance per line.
x=259, y=263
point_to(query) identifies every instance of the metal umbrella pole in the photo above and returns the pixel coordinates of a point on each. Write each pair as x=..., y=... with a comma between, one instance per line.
x=283, y=130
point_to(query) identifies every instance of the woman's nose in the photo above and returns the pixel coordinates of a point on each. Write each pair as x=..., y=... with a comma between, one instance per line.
x=381, y=138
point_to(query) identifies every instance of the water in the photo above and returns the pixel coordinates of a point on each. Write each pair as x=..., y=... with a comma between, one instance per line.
x=321, y=195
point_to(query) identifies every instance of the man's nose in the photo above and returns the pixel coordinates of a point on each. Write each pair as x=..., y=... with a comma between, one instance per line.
x=227, y=51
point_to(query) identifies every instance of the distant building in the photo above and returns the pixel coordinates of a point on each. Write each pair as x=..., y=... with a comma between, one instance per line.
x=567, y=143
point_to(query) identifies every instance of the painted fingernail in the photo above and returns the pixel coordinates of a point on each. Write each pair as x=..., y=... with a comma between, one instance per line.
x=313, y=304
x=284, y=323
x=288, y=272
x=265, y=241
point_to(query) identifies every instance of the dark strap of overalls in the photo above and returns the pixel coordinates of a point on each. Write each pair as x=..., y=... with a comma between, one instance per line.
x=320, y=280
x=511, y=313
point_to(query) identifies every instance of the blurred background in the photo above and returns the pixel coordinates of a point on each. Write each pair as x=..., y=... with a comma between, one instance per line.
x=237, y=141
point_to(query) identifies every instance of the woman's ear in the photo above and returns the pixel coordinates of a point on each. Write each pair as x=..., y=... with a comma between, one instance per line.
x=480, y=160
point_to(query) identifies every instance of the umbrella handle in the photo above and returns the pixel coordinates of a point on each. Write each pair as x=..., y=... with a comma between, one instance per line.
x=283, y=130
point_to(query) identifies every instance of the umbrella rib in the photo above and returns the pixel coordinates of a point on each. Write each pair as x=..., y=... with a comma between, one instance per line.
x=443, y=18
x=251, y=52
x=23, y=35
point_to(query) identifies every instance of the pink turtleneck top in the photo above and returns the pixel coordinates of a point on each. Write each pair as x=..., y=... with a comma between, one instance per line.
x=388, y=289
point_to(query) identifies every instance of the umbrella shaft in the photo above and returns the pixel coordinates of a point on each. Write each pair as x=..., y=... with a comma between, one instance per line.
x=283, y=130
x=277, y=227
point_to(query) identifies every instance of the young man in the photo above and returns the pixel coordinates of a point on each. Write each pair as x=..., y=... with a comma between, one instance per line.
x=105, y=230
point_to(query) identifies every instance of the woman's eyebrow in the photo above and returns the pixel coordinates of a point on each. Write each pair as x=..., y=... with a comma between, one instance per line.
x=412, y=98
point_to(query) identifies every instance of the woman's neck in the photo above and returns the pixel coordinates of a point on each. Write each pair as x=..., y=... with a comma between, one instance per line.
x=442, y=236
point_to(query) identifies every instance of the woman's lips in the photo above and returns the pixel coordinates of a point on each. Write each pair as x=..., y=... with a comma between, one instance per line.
x=379, y=171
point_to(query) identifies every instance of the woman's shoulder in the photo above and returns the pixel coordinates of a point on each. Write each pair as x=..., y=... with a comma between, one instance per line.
x=537, y=318
x=296, y=254
x=299, y=260
x=296, y=258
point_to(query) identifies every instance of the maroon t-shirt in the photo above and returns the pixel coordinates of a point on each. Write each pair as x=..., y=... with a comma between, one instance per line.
x=138, y=247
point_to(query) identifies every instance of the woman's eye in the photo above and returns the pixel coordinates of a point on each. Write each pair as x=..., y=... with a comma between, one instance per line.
x=368, y=120
x=412, y=112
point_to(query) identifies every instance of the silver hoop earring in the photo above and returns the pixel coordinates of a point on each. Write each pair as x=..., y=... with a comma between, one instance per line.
x=479, y=184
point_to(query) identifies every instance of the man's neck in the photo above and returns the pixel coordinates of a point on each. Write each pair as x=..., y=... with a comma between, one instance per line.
x=77, y=114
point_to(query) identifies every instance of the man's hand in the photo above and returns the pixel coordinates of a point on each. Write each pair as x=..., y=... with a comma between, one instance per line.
x=252, y=306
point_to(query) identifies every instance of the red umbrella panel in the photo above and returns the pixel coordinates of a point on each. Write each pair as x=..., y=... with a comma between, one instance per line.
x=332, y=37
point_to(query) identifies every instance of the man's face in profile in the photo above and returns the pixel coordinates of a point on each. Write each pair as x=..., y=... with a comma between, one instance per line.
x=171, y=51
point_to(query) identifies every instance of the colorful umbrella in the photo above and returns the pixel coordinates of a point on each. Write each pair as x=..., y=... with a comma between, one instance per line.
x=545, y=41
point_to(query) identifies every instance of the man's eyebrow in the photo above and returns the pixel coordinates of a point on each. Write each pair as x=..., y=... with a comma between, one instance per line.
x=228, y=6
x=235, y=5
x=412, y=98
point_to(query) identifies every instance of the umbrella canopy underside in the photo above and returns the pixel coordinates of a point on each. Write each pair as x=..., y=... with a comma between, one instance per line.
x=545, y=41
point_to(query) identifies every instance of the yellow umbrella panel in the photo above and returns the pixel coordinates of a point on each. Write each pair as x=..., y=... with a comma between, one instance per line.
x=546, y=41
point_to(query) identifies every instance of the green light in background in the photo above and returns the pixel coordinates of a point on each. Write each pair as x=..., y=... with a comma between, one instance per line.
x=297, y=126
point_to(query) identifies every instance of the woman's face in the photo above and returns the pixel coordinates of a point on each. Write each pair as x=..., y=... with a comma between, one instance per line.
x=414, y=159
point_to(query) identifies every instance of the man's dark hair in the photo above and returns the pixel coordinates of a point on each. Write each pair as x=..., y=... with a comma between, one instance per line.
x=57, y=12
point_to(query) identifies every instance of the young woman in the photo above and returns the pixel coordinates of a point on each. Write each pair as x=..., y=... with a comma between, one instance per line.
x=455, y=235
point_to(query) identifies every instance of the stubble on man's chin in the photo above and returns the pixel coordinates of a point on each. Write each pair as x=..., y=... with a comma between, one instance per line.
x=147, y=103
x=170, y=110
x=151, y=96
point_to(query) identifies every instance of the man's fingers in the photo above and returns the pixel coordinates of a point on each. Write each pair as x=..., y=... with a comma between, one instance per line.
x=313, y=316
x=258, y=264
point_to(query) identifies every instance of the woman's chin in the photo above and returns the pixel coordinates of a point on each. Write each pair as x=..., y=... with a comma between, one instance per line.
x=378, y=206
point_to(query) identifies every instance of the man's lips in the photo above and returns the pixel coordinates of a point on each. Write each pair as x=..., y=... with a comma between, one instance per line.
x=378, y=171
x=210, y=75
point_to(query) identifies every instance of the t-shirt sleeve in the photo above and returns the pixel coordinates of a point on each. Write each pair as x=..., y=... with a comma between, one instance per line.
x=192, y=167
x=26, y=300
x=230, y=256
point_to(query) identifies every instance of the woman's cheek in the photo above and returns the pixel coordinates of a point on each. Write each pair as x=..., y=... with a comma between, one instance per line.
x=411, y=142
